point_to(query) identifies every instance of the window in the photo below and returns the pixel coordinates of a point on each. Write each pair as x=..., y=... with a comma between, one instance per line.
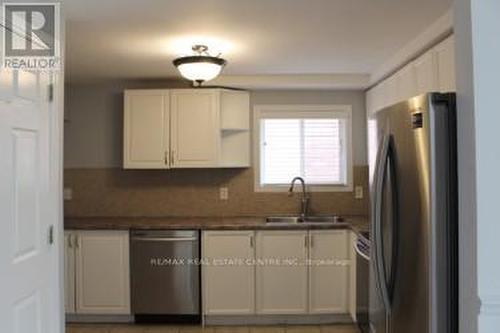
x=312, y=142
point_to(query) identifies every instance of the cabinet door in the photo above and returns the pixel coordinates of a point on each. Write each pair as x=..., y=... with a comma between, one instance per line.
x=406, y=81
x=102, y=272
x=445, y=55
x=329, y=272
x=69, y=273
x=146, y=129
x=426, y=73
x=195, y=127
x=281, y=272
x=229, y=279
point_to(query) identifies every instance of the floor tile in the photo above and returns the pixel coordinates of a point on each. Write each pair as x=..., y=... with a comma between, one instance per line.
x=87, y=328
x=302, y=329
x=267, y=329
x=161, y=329
x=94, y=328
x=232, y=329
x=339, y=329
x=197, y=329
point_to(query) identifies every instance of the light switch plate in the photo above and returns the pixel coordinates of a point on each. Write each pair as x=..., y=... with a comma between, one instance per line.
x=358, y=192
x=67, y=194
x=223, y=193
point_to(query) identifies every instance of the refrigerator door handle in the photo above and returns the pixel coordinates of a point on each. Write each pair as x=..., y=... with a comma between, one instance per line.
x=377, y=215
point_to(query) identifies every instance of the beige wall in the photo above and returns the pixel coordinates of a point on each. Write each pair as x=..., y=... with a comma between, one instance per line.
x=93, y=132
x=93, y=159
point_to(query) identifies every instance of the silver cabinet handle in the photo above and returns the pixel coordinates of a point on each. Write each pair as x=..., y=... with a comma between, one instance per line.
x=167, y=154
x=311, y=240
x=77, y=241
x=70, y=241
x=306, y=241
x=251, y=241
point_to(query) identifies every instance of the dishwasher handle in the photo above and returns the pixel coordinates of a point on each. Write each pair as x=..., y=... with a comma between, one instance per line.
x=165, y=239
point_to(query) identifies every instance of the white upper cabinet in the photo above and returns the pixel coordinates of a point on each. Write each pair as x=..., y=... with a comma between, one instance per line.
x=426, y=72
x=102, y=272
x=228, y=289
x=146, y=129
x=434, y=71
x=407, y=83
x=329, y=272
x=195, y=127
x=445, y=56
x=281, y=286
x=186, y=128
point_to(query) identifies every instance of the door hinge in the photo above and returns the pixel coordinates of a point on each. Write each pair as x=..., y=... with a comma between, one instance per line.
x=51, y=92
x=51, y=235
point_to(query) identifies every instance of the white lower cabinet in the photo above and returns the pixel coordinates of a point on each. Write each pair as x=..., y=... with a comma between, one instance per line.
x=281, y=273
x=69, y=273
x=229, y=276
x=329, y=272
x=284, y=272
x=101, y=270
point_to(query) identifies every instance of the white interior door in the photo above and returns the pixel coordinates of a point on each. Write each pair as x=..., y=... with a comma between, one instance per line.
x=29, y=261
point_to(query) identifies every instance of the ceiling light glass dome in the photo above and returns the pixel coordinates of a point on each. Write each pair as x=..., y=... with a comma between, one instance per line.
x=200, y=67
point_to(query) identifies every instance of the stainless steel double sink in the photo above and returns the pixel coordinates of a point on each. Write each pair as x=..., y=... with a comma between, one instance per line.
x=283, y=220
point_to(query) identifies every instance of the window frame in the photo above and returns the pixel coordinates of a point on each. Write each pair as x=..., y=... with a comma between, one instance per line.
x=286, y=111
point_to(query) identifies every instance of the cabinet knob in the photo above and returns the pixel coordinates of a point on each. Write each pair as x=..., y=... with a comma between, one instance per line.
x=167, y=154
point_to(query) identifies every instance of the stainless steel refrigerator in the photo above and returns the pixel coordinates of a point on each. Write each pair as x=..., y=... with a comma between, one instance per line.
x=413, y=271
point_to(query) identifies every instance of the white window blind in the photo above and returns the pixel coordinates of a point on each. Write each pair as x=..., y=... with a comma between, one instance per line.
x=312, y=148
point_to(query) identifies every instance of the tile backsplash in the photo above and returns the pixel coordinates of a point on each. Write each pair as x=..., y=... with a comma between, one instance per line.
x=194, y=192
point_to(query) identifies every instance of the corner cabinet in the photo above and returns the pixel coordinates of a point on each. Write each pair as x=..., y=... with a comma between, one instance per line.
x=186, y=128
x=97, y=277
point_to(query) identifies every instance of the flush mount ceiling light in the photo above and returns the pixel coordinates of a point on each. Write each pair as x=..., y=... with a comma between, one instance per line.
x=200, y=67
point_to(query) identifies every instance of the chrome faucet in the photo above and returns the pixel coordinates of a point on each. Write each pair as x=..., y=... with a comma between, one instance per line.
x=305, y=196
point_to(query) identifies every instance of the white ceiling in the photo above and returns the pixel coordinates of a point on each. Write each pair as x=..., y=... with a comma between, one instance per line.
x=139, y=38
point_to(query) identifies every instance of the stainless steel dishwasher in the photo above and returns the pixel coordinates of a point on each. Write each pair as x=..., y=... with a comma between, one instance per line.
x=165, y=275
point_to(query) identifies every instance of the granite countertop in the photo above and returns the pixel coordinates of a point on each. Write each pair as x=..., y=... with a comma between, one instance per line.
x=355, y=223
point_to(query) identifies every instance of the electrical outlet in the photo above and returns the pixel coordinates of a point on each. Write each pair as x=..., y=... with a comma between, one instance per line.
x=67, y=194
x=223, y=193
x=358, y=192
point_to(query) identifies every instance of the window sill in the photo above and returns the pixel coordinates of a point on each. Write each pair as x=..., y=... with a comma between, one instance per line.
x=309, y=188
